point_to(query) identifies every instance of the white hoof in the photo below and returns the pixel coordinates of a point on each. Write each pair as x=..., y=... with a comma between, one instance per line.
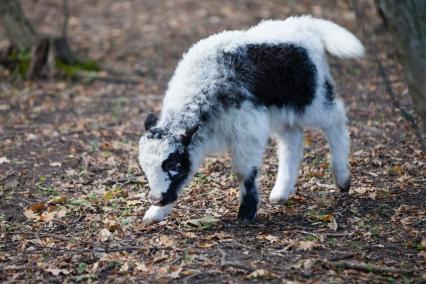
x=279, y=196
x=156, y=214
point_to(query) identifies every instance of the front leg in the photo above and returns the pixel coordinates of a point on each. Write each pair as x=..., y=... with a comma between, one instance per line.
x=249, y=197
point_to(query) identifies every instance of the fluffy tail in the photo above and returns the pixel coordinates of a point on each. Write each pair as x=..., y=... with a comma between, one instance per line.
x=337, y=40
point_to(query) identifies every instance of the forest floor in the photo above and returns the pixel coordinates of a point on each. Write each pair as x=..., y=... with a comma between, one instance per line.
x=72, y=196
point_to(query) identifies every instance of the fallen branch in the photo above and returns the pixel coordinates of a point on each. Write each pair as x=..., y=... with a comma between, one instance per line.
x=369, y=268
x=381, y=69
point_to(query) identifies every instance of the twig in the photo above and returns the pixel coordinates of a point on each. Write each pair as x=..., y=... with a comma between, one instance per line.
x=368, y=268
x=381, y=69
x=326, y=234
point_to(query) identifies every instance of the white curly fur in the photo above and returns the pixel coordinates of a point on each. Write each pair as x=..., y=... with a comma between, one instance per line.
x=244, y=132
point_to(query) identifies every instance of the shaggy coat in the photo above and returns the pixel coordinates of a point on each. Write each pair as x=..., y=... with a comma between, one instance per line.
x=231, y=92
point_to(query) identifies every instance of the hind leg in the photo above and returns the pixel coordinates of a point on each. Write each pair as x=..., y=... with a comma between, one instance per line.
x=290, y=153
x=339, y=142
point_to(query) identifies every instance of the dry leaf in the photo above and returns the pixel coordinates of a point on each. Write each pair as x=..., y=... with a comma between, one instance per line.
x=373, y=195
x=166, y=241
x=57, y=271
x=133, y=202
x=326, y=218
x=270, y=238
x=61, y=213
x=306, y=245
x=202, y=223
x=141, y=267
x=57, y=200
x=206, y=245
x=47, y=216
x=30, y=214
x=333, y=224
x=105, y=234
x=261, y=273
x=38, y=207
x=108, y=196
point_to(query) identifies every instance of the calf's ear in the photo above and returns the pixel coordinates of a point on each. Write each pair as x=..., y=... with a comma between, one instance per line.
x=187, y=136
x=150, y=121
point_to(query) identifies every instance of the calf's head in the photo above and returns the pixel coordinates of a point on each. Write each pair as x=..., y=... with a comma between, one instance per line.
x=165, y=159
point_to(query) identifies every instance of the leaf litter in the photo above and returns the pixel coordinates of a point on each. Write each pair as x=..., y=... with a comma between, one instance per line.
x=72, y=196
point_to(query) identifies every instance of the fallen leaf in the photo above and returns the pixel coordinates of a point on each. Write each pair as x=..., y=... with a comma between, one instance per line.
x=38, y=207
x=202, y=223
x=31, y=215
x=333, y=224
x=141, y=267
x=326, y=217
x=61, y=213
x=57, y=271
x=270, y=238
x=55, y=165
x=133, y=202
x=306, y=245
x=47, y=216
x=373, y=195
x=57, y=200
x=207, y=245
x=108, y=196
x=105, y=234
x=261, y=273
x=166, y=241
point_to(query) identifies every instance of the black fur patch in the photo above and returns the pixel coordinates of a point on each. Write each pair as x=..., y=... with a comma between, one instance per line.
x=329, y=92
x=277, y=75
x=248, y=207
x=177, y=166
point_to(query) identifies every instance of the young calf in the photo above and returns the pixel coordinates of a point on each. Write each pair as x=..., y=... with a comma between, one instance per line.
x=231, y=91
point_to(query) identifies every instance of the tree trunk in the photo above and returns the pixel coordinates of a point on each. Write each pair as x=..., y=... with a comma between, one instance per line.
x=18, y=29
x=406, y=20
x=45, y=50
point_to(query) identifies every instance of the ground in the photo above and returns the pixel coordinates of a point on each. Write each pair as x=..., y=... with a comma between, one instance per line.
x=72, y=196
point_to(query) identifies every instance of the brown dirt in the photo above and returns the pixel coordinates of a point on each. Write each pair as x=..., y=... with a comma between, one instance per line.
x=72, y=196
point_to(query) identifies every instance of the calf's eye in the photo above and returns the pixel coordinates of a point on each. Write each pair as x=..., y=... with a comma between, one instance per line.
x=170, y=165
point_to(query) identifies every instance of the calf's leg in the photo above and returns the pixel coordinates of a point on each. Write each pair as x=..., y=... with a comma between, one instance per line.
x=338, y=140
x=249, y=197
x=290, y=153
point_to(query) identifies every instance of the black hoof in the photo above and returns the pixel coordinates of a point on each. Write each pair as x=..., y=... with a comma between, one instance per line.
x=246, y=214
x=345, y=186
